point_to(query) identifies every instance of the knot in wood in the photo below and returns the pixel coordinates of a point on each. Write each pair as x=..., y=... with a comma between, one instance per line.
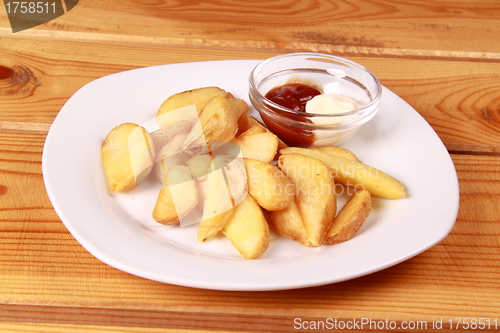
x=18, y=81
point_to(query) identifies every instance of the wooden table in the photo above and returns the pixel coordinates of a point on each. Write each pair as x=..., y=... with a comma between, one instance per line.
x=442, y=57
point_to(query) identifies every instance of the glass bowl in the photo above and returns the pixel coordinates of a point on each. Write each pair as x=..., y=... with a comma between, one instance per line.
x=328, y=74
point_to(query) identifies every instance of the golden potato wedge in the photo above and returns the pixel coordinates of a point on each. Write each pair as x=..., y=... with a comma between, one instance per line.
x=217, y=208
x=234, y=174
x=247, y=121
x=165, y=134
x=289, y=223
x=178, y=198
x=170, y=154
x=350, y=218
x=198, y=165
x=338, y=151
x=257, y=143
x=217, y=123
x=225, y=148
x=198, y=97
x=315, y=194
x=268, y=185
x=247, y=229
x=218, y=120
x=238, y=105
x=128, y=156
x=356, y=174
x=201, y=184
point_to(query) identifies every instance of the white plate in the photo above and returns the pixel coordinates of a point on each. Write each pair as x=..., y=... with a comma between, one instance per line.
x=119, y=230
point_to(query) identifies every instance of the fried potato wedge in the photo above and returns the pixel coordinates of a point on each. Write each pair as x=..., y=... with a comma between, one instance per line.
x=247, y=229
x=257, y=143
x=238, y=105
x=338, y=151
x=355, y=174
x=350, y=218
x=170, y=154
x=289, y=223
x=217, y=208
x=268, y=185
x=198, y=97
x=218, y=123
x=128, y=156
x=178, y=198
x=247, y=121
x=235, y=175
x=165, y=134
x=315, y=194
x=198, y=165
x=188, y=114
x=201, y=184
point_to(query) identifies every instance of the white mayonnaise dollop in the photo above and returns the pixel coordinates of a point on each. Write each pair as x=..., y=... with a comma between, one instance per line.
x=332, y=103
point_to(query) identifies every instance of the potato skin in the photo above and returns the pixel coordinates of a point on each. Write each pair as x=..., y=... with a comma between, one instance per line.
x=199, y=97
x=247, y=229
x=218, y=123
x=350, y=218
x=353, y=173
x=314, y=193
x=128, y=156
x=238, y=105
x=338, y=152
x=289, y=223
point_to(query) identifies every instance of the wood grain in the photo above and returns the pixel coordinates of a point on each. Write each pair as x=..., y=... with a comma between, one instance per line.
x=460, y=99
x=41, y=264
x=78, y=328
x=417, y=28
x=65, y=67
x=151, y=322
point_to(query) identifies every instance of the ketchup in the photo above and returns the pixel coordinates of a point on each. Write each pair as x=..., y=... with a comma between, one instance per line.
x=293, y=96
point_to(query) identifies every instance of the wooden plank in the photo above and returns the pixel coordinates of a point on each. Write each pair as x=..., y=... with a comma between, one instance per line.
x=57, y=327
x=37, y=84
x=417, y=28
x=42, y=264
x=59, y=319
x=458, y=98
x=138, y=319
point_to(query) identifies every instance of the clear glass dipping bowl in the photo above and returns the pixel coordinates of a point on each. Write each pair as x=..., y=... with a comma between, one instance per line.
x=327, y=73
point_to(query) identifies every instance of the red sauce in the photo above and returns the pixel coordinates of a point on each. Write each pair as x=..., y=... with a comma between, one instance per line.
x=292, y=96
